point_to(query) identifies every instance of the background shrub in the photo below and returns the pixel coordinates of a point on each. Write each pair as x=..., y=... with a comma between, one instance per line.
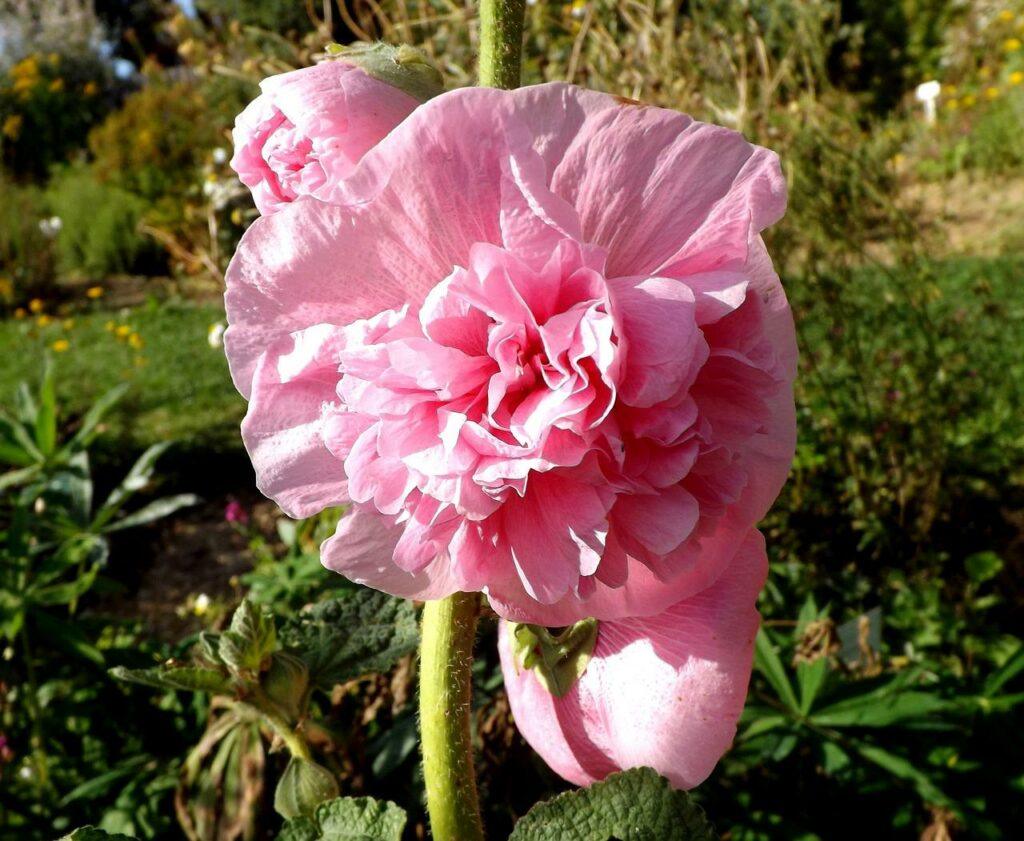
x=26, y=253
x=99, y=225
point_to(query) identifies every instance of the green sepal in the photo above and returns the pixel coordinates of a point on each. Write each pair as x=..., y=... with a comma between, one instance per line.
x=403, y=67
x=558, y=660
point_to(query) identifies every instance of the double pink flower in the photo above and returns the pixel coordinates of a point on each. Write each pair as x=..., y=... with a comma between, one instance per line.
x=535, y=340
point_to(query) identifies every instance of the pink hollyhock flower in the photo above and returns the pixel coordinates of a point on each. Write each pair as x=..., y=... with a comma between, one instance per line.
x=309, y=128
x=663, y=691
x=537, y=342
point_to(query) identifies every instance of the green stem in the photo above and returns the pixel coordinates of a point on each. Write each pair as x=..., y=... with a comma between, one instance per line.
x=37, y=742
x=446, y=660
x=501, y=43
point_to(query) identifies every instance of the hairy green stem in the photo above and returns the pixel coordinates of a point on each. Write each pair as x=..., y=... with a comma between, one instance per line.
x=501, y=43
x=446, y=660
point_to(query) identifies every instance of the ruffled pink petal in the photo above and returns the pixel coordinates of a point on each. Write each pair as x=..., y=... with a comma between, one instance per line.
x=283, y=430
x=665, y=691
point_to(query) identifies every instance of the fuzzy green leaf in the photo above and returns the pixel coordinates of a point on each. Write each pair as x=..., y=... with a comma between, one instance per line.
x=348, y=819
x=250, y=639
x=188, y=678
x=636, y=805
x=363, y=632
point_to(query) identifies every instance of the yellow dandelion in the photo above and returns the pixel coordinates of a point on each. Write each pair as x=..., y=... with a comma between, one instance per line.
x=20, y=313
x=53, y=58
x=61, y=345
x=1006, y=15
x=12, y=126
x=140, y=361
x=6, y=287
x=984, y=72
x=1016, y=77
x=90, y=89
x=94, y=292
x=236, y=217
x=36, y=305
x=949, y=90
x=135, y=341
x=1011, y=45
x=44, y=320
x=969, y=100
x=123, y=331
x=68, y=324
x=991, y=93
x=110, y=327
x=56, y=86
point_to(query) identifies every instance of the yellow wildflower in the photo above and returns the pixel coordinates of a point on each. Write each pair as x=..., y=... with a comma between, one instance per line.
x=1016, y=77
x=12, y=126
x=6, y=287
x=110, y=326
x=61, y=345
x=94, y=292
x=236, y=217
x=991, y=93
x=68, y=323
x=1011, y=45
x=20, y=313
x=24, y=84
x=984, y=72
x=90, y=89
x=36, y=305
x=123, y=331
x=56, y=86
x=969, y=100
x=28, y=66
x=53, y=58
x=135, y=341
x=44, y=320
x=952, y=105
x=140, y=361
x=1006, y=15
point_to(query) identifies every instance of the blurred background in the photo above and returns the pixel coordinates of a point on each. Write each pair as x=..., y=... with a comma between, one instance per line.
x=888, y=694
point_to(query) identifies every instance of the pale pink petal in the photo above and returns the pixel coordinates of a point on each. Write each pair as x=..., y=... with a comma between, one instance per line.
x=664, y=692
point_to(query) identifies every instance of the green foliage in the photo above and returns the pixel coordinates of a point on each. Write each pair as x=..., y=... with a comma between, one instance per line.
x=993, y=145
x=26, y=252
x=344, y=638
x=274, y=15
x=154, y=145
x=348, y=819
x=99, y=225
x=635, y=805
x=47, y=105
x=54, y=549
x=182, y=392
x=263, y=680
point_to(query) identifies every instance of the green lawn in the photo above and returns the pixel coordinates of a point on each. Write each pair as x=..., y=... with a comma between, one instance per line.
x=180, y=386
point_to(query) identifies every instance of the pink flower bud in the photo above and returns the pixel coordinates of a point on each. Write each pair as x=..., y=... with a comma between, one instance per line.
x=309, y=128
x=663, y=691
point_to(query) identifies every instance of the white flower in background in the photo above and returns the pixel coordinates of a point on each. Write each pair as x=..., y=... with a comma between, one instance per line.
x=220, y=156
x=927, y=93
x=215, y=335
x=201, y=604
x=50, y=227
